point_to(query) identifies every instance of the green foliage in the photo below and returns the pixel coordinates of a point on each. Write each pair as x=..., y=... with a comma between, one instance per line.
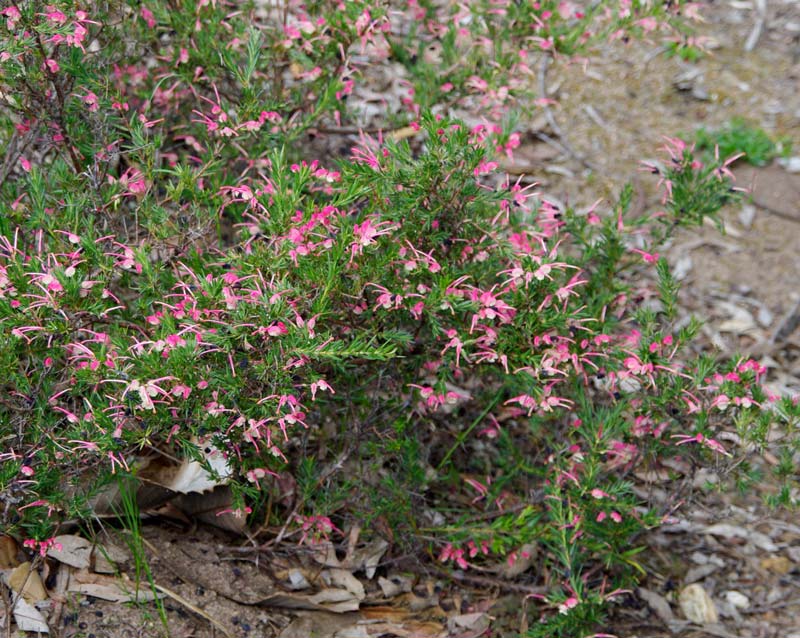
x=393, y=332
x=739, y=137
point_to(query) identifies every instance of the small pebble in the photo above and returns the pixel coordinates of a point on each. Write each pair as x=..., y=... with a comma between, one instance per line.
x=697, y=605
x=737, y=599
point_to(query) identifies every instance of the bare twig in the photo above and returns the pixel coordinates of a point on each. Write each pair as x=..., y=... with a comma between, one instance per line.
x=758, y=27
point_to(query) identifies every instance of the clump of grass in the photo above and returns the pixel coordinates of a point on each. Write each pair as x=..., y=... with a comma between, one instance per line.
x=739, y=136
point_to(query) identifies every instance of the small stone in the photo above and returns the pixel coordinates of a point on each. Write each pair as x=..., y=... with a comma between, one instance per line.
x=697, y=605
x=699, y=557
x=737, y=599
x=747, y=215
x=791, y=164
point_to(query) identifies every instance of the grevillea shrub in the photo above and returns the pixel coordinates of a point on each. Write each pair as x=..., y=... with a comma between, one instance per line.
x=391, y=332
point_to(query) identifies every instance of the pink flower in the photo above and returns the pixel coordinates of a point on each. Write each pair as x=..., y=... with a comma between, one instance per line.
x=277, y=329
x=12, y=15
x=316, y=529
x=55, y=16
x=568, y=604
x=254, y=476
x=42, y=546
x=318, y=385
x=148, y=17
x=91, y=101
x=650, y=258
x=456, y=555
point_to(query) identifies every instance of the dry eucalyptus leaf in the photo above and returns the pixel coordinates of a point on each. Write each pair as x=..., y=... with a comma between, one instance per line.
x=325, y=554
x=193, y=477
x=26, y=581
x=108, y=588
x=369, y=557
x=697, y=605
x=395, y=585
x=72, y=550
x=469, y=625
x=341, y=578
x=28, y=618
x=338, y=601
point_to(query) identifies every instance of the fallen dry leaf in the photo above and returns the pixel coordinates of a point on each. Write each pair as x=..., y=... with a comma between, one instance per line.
x=109, y=588
x=28, y=618
x=72, y=550
x=368, y=557
x=24, y=580
x=395, y=585
x=469, y=625
x=337, y=601
x=341, y=578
